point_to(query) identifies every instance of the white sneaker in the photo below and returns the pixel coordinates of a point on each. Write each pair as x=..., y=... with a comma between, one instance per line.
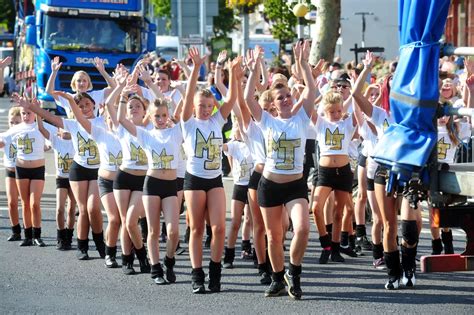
x=393, y=283
x=409, y=279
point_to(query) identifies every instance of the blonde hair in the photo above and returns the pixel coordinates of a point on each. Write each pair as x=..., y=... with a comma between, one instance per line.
x=75, y=77
x=159, y=102
x=142, y=100
x=279, y=78
x=265, y=97
x=14, y=111
x=331, y=98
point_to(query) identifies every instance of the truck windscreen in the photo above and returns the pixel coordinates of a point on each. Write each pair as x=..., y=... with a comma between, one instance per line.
x=91, y=34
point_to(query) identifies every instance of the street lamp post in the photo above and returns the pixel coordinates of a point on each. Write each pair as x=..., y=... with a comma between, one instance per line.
x=363, y=14
x=300, y=10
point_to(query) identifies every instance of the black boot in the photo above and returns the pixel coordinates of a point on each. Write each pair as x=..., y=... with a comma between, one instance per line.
x=197, y=281
x=157, y=274
x=447, y=238
x=326, y=248
x=110, y=255
x=61, y=238
x=16, y=233
x=144, y=229
x=392, y=261
x=437, y=247
x=377, y=253
x=99, y=243
x=264, y=274
x=28, y=241
x=82, y=248
x=127, y=264
x=215, y=269
x=68, y=240
x=335, y=252
x=207, y=243
x=246, y=250
x=143, y=260
x=169, y=264
x=277, y=287
x=229, y=255
x=409, y=266
x=344, y=246
x=293, y=280
x=37, y=237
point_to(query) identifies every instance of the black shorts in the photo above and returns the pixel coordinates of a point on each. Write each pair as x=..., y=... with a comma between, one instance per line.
x=106, y=186
x=9, y=173
x=78, y=173
x=370, y=184
x=127, y=181
x=271, y=194
x=35, y=173
x=338, y=178
x=192, y=182
x=381, y=175
x=315, y=176
x=240, y=193
x=159, y=187
x=180, y=183
x=362, y=160
x=62, y=182
x=254, y=179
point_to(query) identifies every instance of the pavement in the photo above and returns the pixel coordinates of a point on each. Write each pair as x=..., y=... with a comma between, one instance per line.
x=44, y=280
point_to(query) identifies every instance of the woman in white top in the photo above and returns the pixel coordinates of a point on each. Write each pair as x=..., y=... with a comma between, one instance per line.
x=63, y=156
x=162, y=145
x=282, y=185
x=80, y=83
x=128, y=185
x=82, y=174
x=11, y=190
x=203, y=188
x=30, y=169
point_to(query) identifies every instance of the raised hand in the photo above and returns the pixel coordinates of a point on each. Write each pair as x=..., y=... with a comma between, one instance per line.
x=144, y=75
x=318, y=68
x=368, y=60
x=222, y=57
x=195, y=57
x=56, y=65
x=130, y=88
x=236, y=68
x=21, y=101
x=99, y=64
x=297, y=50
x=305, y=50
x=63, y=94
x=5, y=62
x=258, y=51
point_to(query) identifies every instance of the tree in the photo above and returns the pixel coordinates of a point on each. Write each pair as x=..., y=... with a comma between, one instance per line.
x=162, y=8
x=282, y=21
x=225, y=22
x=7, y=15
x=328, y=26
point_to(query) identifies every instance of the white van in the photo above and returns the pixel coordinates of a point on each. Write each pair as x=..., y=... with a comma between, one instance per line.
x=168, y=47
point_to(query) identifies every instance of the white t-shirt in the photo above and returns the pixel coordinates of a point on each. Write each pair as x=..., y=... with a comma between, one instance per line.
x=285, y=142
x=181, y=163
x=29, y=141
x=370, y=139
x=175, y=96
x=63, y=151
x=9, y=151
x=242, y=162
x=134, y=157
x=334, y=137
x=110, y=150
x=256, y=142
x=98, y=96
x=446, y=148
x=86, y=150
x=381, y=120
x=203, y=145
x=162, y=146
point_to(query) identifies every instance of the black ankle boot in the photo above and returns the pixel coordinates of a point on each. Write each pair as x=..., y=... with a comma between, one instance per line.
x=110, y=255
x=447, y=238
x=215, y=269
x=246, y=250
x=326, y=248
x=143, y=260
x=229, y=255
x=409, y=265
x=293, y=280
x=28, y=241
x=61, y=238
x=37, y=237
x=82, y=248
x=99, y=243
x=157, y=274
x=394, y=270
x=437, y=247
x=197, y=281
x=16, y=233
x=335, y=252
x=169, y=264
x=127, y=264
x=68, y=240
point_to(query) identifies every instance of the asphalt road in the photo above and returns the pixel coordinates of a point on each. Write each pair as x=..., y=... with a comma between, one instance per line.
x=44, y=280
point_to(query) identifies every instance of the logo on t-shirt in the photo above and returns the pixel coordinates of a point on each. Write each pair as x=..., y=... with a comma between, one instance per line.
x=245, y=169
x=443, y=148
x=285, y=149
x=115, y=160
x=88, y=146
x=213, y=147
x=26, y=144
x=162, y=161
x=12, y=152
x=64, y=162
x=138, y=155
x=334, y=139
x=385, y=125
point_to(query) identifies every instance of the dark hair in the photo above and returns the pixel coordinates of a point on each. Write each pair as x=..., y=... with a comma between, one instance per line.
x=336, y=64
x=82, y=95
x=165, y=71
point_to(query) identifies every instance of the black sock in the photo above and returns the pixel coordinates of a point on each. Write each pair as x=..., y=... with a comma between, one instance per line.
x=36, y=232
x=169, y=262
x=278, y=276
x=329, y=228
x=392, y=261
x=246, y=245
x=360, y=230
x=16, y=229
x=377, y=251
x=28, y=232
x=325, y=241
x=294, y=270
x=344, y=239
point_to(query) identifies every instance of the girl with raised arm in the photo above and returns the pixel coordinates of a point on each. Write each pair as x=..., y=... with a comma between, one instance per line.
x=203, y=188
x=282, y=185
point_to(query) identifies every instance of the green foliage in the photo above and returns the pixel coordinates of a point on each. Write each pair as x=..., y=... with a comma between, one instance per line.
x=281, y=19
x=162, y=8
x=7, y=15
x=243, y=5
x=225, y=22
